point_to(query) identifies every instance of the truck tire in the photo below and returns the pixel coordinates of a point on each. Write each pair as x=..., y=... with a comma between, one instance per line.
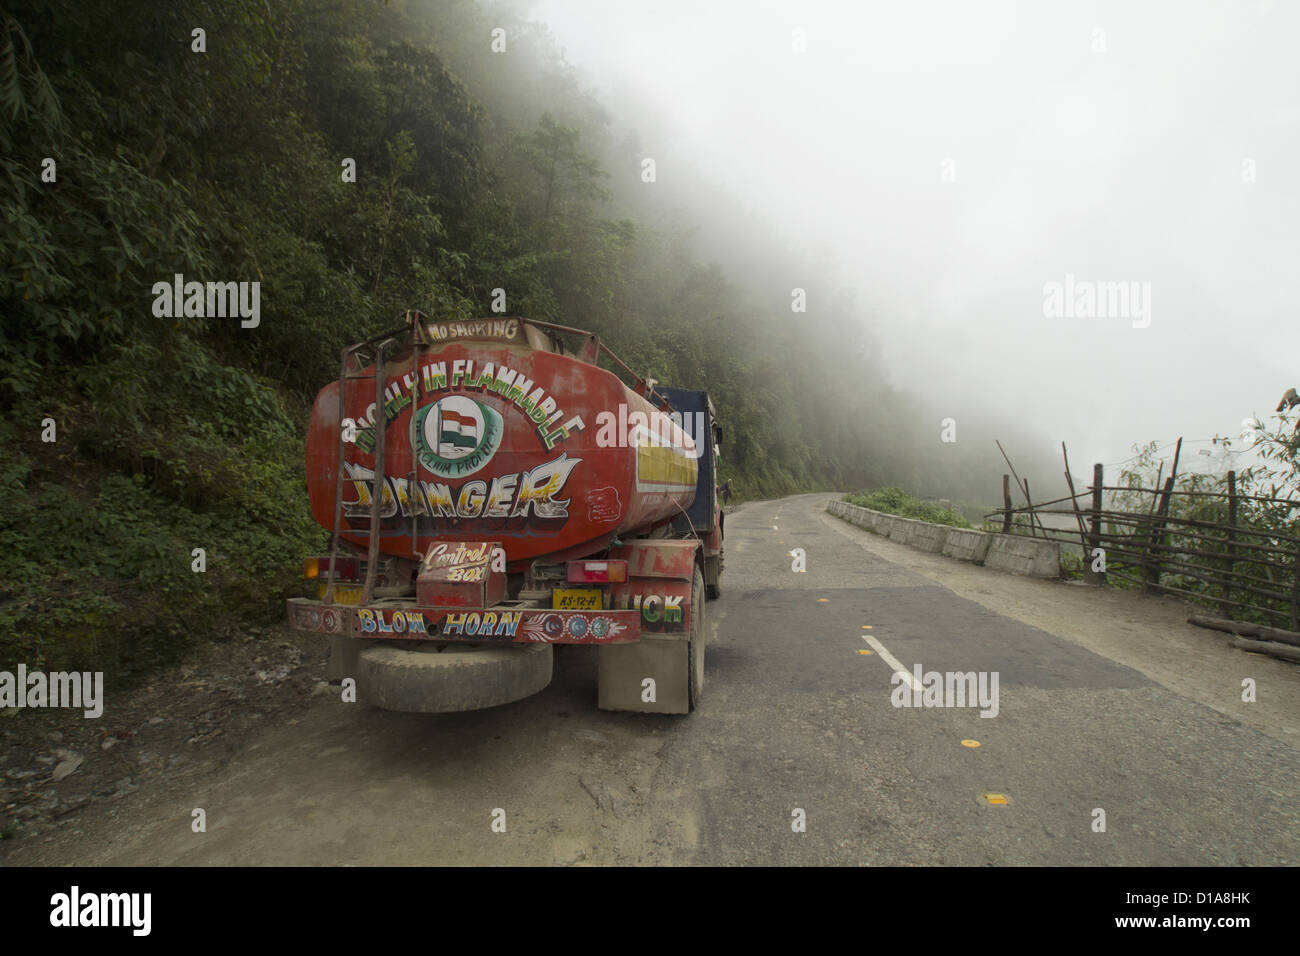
x=696, y=647
x=440, y=678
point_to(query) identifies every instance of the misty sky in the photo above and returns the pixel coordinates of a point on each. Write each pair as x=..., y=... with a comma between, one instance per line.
x=1124, y=165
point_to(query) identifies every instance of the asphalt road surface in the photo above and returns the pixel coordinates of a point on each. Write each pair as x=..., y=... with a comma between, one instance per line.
x=1106, y=702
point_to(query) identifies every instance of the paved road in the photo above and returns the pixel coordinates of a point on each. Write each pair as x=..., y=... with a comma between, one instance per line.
x=794, y=717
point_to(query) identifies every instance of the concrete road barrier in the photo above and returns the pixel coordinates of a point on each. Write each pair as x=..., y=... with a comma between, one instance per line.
x=901, y=530
x=1021, y=555
x=1002, y=552
x=929, y=537
x=967, y=545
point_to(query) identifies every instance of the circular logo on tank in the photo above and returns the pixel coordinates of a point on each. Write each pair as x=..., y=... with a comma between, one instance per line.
x=453, y=427
x=456, y=436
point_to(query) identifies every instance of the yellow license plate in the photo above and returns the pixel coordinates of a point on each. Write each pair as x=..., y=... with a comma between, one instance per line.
x=344, y=593
x=576, y=599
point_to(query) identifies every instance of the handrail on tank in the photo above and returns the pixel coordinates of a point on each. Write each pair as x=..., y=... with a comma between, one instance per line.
x=415, y=320
x=604, y=348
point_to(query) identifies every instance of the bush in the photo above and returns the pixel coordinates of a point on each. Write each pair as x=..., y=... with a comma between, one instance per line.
x=896, y=501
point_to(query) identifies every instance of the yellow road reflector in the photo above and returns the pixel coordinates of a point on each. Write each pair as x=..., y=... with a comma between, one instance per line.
x=864, y=652
x=970, y=743
x=995, y=799
x=866, y=627
x=822, y=600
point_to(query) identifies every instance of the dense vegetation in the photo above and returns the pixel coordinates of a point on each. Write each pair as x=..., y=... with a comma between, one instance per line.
x=896, y=501
x=130, y=157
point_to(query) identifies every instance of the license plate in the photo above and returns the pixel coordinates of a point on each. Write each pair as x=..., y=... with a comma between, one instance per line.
x=344, y=593
x=576, y=599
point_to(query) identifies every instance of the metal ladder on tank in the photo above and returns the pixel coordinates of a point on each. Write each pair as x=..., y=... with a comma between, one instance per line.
x=379, y=343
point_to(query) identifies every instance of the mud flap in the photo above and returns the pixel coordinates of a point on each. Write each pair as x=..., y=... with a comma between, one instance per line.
x=624, y=668
x=673, y=661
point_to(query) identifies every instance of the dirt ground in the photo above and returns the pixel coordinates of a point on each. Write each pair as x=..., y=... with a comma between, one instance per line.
x=181, y=726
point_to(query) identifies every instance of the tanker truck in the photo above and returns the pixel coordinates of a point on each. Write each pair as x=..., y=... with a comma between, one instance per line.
x=491, y=491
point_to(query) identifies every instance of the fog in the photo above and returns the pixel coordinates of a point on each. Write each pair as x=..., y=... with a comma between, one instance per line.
x=947, y=160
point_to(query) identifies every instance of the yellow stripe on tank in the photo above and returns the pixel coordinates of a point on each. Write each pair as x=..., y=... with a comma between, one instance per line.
x=663, y=467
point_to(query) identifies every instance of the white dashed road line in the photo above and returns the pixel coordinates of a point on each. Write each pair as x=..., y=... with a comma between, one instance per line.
x=892, y=661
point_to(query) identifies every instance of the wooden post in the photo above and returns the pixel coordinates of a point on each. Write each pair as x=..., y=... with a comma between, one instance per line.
x=1094, y=520
x=1232, y=542
x=1024, y=490
x=1032, y=516
x=1163, y=542
x=1006, y=504
x=1151, y=553
x=1074, y=503
x=1295, y=583
x=1155, y=495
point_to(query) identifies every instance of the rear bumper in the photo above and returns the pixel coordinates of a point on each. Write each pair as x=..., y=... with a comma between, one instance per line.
x=504, y=624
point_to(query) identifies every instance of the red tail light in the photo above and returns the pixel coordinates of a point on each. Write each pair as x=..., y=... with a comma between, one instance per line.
x=344, y=568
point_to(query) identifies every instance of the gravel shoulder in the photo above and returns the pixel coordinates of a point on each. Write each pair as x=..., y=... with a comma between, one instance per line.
x=60, y=770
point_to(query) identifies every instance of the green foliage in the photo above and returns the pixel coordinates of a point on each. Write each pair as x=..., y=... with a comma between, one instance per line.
x=896, y=501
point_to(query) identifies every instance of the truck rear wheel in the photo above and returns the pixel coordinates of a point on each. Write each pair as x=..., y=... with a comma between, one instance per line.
x=696, y=651
x=440, y=678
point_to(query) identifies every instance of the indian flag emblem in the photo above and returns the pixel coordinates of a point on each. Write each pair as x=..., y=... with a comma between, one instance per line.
x=456, y=436
x=457, y=425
